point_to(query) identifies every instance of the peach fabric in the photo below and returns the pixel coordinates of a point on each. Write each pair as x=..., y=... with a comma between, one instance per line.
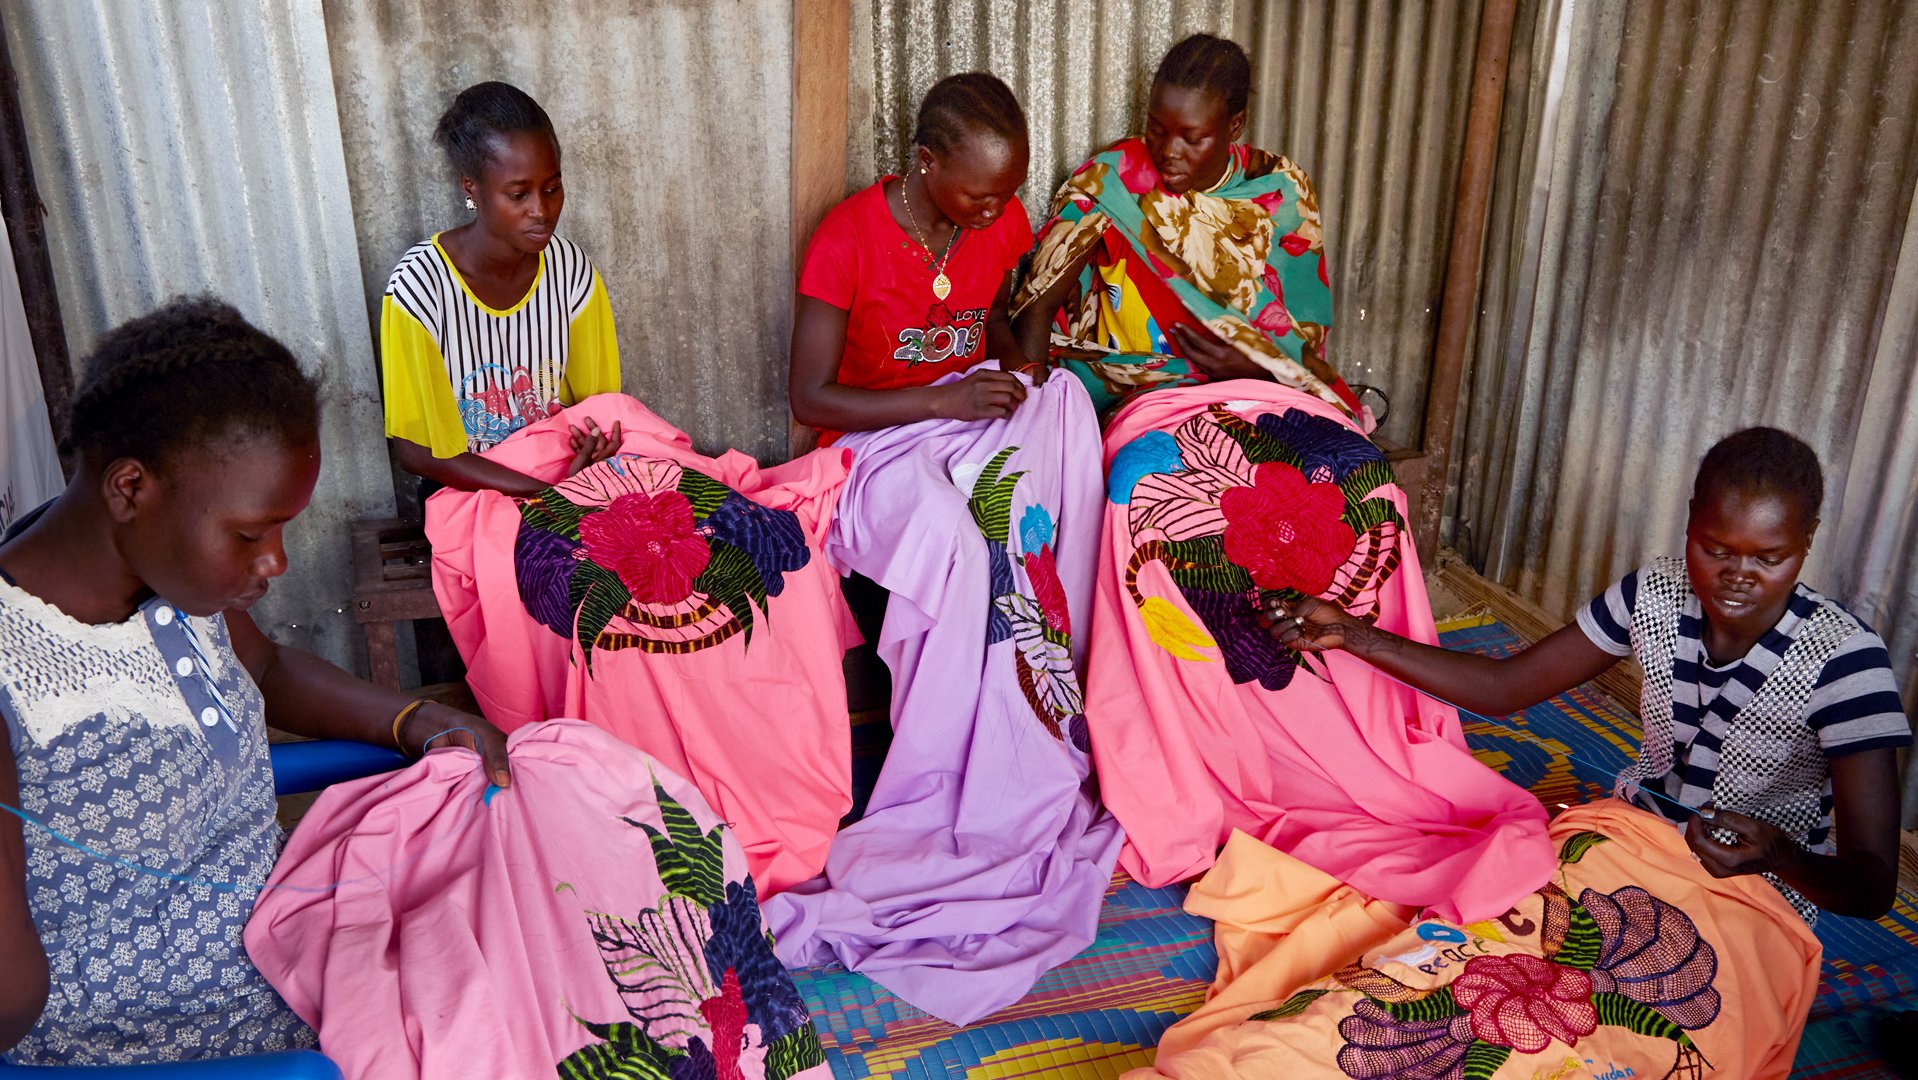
x=1643, y=939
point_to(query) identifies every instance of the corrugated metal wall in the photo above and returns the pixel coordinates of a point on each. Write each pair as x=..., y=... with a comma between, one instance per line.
x=1369, y=96
x=1081, y=68
x=675, y=119
x=203, y=147
x=1703, y=222
x=196, y=147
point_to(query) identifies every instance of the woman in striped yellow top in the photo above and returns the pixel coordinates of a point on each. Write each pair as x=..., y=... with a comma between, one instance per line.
x=499, y=322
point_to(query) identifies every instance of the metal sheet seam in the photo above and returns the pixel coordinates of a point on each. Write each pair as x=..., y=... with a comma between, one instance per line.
x=174, y=158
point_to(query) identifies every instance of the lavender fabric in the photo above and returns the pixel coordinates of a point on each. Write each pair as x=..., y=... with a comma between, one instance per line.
x=982, y=859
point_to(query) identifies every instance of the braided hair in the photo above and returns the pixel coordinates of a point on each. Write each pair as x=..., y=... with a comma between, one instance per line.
x=482, y=114
x=184, y=376
x=970, y=103
x=1764, y=460
x=1205, y=62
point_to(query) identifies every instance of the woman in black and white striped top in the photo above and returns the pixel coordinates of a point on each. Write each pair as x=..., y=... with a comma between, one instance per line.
x=499, y=322
x=1766, y=706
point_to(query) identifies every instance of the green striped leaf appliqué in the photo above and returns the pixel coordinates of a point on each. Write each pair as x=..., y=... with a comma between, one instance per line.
x=624, y=1053
x=1582, y=940
x=1292, y=1006
x=1577, y=844
x=1362, y=512
x=1361, y=482
x=1225, y=580
x=991, y=497
x=704, y=492
x=1437, y=1005
x=1205, y=550
x=794, y=1053
x=732, y=579
x=1201, y=564
x=597, y=596
x=692, y=863
x=1368, y=514
x=1259, y=447
x=1482, y=1059
x=553, y=512
x=1617, y=1010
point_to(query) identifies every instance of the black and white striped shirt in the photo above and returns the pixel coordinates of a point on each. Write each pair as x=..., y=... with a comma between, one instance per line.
x=1854, y=705
x=508, y=367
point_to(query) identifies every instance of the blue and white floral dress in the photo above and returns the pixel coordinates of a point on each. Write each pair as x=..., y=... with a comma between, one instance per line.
x=145, y=741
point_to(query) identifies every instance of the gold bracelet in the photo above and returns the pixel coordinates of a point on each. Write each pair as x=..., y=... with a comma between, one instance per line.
x=411, y=708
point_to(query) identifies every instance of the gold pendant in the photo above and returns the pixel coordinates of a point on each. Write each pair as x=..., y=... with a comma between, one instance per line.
x=941, y=285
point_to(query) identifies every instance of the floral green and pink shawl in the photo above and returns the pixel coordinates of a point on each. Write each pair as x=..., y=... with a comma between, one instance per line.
x=1245, y=260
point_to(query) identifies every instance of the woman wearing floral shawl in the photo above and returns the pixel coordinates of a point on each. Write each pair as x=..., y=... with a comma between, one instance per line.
x=1187, y=265
x=1184, y=257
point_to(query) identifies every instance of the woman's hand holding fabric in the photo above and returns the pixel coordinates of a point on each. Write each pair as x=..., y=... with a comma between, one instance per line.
x=985, y=394
x=433, y=726
x=1761, y=847
x=1218, y=359
x=1305, y=624
x=591, y=446
x=1036, y=370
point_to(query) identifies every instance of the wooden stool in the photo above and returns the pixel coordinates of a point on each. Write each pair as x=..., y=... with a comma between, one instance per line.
x=392, y=582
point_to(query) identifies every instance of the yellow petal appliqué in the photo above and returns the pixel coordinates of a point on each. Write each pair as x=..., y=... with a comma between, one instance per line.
x=1172, y=631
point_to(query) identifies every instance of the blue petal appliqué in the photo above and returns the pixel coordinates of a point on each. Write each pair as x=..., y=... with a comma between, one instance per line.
x=1035, y=529
x=1153, y=452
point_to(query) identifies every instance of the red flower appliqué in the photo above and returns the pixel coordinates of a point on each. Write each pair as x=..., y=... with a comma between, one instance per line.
x=648, y=540
x=726, y=1015
x=1042, y=569
x=1524, y=1002
x=1286, y=532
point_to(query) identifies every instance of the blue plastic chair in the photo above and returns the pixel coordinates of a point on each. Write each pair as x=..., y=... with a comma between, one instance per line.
x=297, y=768
x=295, y=1065
x=300, y=767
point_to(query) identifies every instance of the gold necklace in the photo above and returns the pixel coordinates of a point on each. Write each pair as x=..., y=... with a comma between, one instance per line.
x=941, y=285
x=1231, y=166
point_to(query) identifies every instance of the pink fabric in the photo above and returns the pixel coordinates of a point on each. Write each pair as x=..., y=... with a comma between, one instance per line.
x=1202, y=732
x=752, y=710
x=596, y=913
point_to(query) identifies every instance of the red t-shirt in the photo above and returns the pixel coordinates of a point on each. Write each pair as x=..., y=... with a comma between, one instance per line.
x=898, y=333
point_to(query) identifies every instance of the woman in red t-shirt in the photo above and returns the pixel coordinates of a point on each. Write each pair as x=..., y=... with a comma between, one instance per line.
x=974, y=500
x=910, y=279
